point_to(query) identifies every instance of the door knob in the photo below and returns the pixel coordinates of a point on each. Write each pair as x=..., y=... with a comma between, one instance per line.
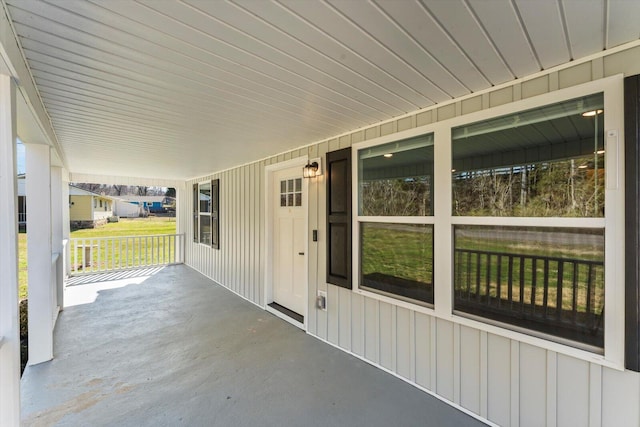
x=300, y=253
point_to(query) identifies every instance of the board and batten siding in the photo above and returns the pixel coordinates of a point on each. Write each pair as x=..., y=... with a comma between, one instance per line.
x=500, y=379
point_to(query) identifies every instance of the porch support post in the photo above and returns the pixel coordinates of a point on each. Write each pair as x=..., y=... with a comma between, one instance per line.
x=57, y=234
x=66, y=228
x=41, y=291
x=180, y=226
x=9, y=323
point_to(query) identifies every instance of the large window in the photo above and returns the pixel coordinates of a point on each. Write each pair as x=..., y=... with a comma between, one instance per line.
x=540, y=164
x=547, y=162
x=205, y=217
x=510, y=220
x=395, y=208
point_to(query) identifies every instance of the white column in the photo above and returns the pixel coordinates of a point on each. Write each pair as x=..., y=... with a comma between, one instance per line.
x=57, y=231
x=180, y=226
x=66, y=225
x=9, y=323
x=38, y=177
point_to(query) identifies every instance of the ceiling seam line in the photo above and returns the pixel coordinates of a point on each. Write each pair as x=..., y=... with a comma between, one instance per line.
x=297, y=88
x=153, y=104
x=486, y=34
x=565, y=29
x=248, y=53
x=199, y=73
x=393, y=54
x=408, y=87
x=463, y=52
x=170, y=91
x=419, y=45
x=226, y=91
x=127, y=68
x=326, y=56
x=523, y=28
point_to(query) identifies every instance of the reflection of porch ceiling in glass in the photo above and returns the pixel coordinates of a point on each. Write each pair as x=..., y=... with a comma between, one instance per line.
x=403, y=164
x=408, y=158
x=558, y=132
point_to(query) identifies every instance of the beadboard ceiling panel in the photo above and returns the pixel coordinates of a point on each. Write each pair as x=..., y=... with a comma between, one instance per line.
x=546, y=31
x=179, y=89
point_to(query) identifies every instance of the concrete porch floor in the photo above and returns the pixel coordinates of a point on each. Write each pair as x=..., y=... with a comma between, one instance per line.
x=174, y=348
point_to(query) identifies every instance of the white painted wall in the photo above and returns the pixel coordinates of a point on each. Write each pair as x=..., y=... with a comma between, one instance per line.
x=502, y=379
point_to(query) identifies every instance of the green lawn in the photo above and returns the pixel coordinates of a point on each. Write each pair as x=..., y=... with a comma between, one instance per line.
x=125, y=227
x=22, y=265
x=130, y=227
x=405, y=251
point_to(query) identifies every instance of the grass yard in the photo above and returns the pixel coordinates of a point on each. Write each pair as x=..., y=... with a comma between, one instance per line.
x=130, y=227
x=22, y=266
x=125, y=227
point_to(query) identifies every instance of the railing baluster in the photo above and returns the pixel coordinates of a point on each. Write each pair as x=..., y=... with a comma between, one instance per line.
x=478, y=276
x=164, y=250
x=574, y=302
x=99, y=260
x=498, y=276
x=510, y=283
x=559, y=290
x=488, y=284
x=589, y=289
x=545, y=294
x=468, y=274
x=534, y=276
x=522, y=261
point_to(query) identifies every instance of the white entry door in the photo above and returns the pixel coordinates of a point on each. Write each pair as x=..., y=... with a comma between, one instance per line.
x=289, y=276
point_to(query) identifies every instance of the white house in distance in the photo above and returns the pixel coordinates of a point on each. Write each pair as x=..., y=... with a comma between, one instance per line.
x=486, y=151
x=152, y=204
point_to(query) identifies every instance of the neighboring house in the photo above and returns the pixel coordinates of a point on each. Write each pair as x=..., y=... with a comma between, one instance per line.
x=151, y=204
x=88, y=209
x=126, y=209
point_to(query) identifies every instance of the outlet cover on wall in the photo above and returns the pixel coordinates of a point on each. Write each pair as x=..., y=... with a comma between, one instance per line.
x=321, y=300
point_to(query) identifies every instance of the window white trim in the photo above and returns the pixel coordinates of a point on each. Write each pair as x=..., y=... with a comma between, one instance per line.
x=443, y=220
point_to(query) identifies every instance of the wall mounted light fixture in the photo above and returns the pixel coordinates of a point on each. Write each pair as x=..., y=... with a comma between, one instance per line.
x=312, y=169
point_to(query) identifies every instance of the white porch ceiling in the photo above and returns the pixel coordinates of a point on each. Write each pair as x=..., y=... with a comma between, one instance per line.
x=177, y=89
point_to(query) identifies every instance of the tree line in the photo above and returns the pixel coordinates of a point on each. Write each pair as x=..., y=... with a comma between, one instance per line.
x=125, y=190
x=566, y=188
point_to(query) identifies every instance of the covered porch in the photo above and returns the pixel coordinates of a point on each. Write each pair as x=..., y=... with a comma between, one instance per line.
x=227, y=102
x=168, y=346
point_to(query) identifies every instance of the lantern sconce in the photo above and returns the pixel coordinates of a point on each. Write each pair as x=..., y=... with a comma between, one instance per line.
x=312, y=169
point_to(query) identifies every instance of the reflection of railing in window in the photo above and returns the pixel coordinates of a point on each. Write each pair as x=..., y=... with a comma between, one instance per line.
x=558, y=296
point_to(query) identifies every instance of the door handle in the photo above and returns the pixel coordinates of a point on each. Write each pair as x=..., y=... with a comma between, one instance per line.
x=300, y=253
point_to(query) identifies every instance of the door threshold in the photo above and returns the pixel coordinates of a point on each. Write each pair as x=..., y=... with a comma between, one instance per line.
x=286, y=314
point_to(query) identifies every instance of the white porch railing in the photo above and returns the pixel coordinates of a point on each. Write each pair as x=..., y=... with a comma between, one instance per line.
x=99, y=254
